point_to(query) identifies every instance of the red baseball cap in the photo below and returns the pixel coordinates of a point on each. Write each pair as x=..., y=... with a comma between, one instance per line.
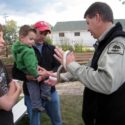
x=42, y=26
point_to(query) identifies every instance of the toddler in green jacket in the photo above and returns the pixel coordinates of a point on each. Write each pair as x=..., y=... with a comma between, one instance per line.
x=26, y=61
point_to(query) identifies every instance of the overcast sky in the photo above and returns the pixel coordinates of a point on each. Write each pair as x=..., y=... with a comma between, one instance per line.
x=52, y=11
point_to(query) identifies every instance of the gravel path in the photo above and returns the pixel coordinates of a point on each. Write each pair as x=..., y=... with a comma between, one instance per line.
x=70, y=88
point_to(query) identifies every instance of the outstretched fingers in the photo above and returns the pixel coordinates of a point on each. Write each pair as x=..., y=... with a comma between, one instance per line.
x=59, y=54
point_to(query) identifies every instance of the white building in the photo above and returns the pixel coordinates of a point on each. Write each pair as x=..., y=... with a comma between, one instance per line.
x=72, y=32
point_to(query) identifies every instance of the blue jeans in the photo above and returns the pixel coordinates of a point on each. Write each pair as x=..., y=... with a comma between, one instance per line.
x=52, y=108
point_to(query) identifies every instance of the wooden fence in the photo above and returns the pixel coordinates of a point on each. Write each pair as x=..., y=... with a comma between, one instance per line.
x=83, y=58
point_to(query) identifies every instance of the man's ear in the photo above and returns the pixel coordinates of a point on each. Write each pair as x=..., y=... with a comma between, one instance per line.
x=98, y=17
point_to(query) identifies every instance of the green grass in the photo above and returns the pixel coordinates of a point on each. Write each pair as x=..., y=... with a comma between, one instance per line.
x=71, y=107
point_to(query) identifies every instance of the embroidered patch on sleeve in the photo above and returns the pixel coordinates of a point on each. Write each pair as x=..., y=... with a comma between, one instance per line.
x=116, y=48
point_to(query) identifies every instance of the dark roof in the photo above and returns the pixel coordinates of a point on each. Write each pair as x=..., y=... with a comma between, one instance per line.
x=70, y=26
x=77, y=25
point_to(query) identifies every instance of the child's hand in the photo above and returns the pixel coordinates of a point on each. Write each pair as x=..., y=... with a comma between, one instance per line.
x=39, y=78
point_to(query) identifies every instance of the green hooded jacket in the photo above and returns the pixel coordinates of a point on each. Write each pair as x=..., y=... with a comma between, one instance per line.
x=25, y=58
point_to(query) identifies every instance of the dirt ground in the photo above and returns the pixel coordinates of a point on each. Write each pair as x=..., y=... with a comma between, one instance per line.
x=70, y=88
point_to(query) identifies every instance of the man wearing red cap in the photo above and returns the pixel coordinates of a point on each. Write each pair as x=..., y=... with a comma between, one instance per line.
x=44, y=54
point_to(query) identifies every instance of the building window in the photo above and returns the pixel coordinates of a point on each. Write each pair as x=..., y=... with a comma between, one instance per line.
x=61, y=34
x=77, y=34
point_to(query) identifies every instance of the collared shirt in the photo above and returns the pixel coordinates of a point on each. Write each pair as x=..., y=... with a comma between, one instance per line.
x=105, y=33
x=102, y=36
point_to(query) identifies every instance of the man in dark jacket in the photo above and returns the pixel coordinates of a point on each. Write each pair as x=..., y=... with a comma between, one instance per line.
x=104, y=79
x=44, y=54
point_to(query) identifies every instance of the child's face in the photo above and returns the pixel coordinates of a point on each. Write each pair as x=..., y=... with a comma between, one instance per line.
x=29, y=39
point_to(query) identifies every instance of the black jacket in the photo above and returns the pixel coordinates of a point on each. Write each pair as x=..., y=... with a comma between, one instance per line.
x=101, y=109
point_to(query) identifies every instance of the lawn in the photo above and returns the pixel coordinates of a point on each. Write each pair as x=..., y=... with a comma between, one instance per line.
x=71, y=106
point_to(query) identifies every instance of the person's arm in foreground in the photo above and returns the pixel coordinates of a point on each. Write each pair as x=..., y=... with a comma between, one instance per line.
x=8, y=100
